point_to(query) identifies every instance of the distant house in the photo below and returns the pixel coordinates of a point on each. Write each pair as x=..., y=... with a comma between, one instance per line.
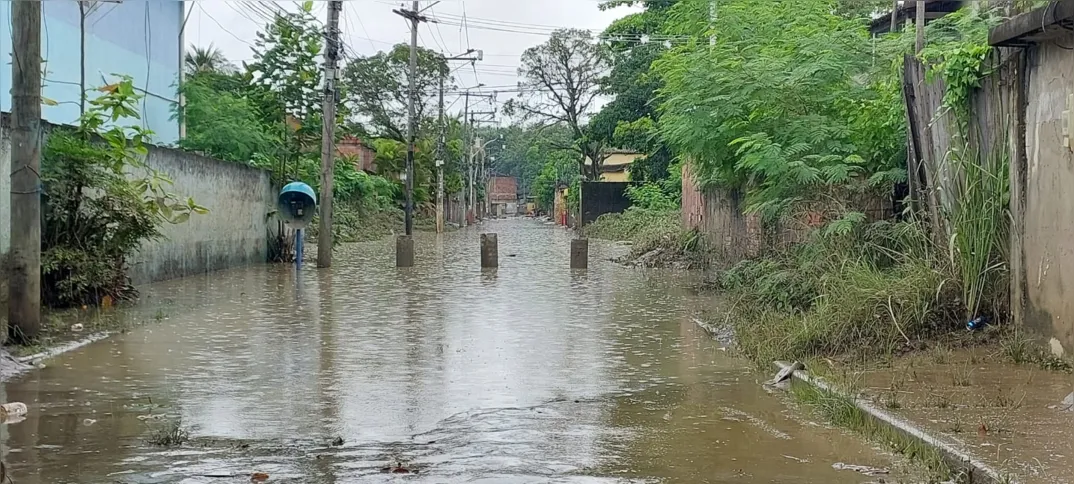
x=616, y=167
x=503, y=195
x=907, y=13
x=140, y=39
x=363, y=154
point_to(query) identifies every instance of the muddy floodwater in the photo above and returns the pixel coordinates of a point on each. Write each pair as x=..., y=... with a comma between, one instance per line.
x=530, y=373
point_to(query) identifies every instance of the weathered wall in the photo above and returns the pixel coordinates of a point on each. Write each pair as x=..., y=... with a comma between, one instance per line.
x=5, y=213
x=1047, y=242
x=734, y=235
x=235, y=232
x=720, y=217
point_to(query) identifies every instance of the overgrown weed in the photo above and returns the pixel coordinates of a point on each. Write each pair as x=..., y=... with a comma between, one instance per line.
x=170, y=434
x=650, y=230
x=1019, y=348
x=877, y=291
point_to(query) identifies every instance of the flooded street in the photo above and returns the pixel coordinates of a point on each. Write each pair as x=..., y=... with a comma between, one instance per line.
x=532, y=373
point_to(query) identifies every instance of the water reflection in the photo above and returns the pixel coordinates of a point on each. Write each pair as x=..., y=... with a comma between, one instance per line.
x=528, y=373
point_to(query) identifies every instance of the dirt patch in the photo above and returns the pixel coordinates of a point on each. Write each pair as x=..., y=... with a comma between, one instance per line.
x=1010, y=416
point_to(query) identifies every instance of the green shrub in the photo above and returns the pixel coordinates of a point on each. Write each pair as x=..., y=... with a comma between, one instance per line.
x=101, y=202
x=651, y=196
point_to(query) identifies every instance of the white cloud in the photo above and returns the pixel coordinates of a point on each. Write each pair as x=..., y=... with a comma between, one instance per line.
x=503, y=29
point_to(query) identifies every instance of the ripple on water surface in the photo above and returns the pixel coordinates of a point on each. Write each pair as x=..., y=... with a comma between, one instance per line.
x=530, y=373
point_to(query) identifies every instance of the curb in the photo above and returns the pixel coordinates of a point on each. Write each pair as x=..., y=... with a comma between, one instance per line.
x=977, y=471
x=64, y=348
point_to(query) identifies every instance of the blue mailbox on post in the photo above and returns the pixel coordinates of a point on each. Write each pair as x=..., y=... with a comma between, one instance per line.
x=297, y=205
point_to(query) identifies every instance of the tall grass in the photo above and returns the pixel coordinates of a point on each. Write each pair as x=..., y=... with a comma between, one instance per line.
x=979, y=219
x=871, y=292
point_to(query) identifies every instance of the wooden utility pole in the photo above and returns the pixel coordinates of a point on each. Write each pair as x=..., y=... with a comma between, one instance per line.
x=920, y=26
x=328, y=132
x=24, y=285
x=415, y=17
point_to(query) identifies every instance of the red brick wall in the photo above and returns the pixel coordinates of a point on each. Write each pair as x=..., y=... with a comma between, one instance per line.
x=503, y=189
x=719, y=216
x=350, y=146
x=735, y=235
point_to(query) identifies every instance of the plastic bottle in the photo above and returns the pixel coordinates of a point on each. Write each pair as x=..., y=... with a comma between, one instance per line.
x=977, y=323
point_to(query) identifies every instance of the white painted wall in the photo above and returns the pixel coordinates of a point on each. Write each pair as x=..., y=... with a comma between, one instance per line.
x=234, y=233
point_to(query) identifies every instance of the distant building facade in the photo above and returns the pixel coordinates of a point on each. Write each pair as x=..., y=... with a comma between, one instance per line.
x=503, y=195
x=142, y=39
x=616, y=168
x=364, y=156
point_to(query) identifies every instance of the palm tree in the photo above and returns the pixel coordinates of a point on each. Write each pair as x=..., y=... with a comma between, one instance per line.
x=209, y=59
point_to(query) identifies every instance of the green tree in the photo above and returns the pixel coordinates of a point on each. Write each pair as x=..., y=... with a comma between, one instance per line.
x=101, y=201
x=208, y=59
x=223, y=124
x=560, y=85
x=560, y=168
x=771, y=106
x=377, y=89
x=631, y=119
x=286, y=56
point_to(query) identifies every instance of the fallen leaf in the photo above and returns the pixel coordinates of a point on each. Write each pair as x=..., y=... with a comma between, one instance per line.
x=259, y=477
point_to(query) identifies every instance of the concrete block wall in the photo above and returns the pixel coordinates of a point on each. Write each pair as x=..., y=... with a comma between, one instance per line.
x=234, y=232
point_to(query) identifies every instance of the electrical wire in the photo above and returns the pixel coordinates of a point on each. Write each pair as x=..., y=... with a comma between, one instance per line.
x=218, y=24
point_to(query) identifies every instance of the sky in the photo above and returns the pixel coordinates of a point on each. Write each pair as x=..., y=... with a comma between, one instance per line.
x=503, y=29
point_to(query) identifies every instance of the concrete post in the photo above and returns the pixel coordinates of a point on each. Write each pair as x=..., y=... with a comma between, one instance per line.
x=404, y=251
x=490, y=252
x=579, y=253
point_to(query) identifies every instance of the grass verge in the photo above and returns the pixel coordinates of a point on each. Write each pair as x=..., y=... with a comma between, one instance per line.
x=840, y=410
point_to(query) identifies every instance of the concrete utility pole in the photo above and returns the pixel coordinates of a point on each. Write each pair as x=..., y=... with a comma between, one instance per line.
x=894, y=16
x=713, y=16
x=920, y=26
x=473, y=192
x=415, y=17
x=328, y=132
x=440, y=162
x=24, y=286
x=82, y=58
x=443, y=135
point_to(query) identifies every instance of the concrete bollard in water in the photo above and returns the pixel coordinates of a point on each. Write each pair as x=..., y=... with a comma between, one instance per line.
x=490, y=252
x=404, y=251
x=579, y=253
